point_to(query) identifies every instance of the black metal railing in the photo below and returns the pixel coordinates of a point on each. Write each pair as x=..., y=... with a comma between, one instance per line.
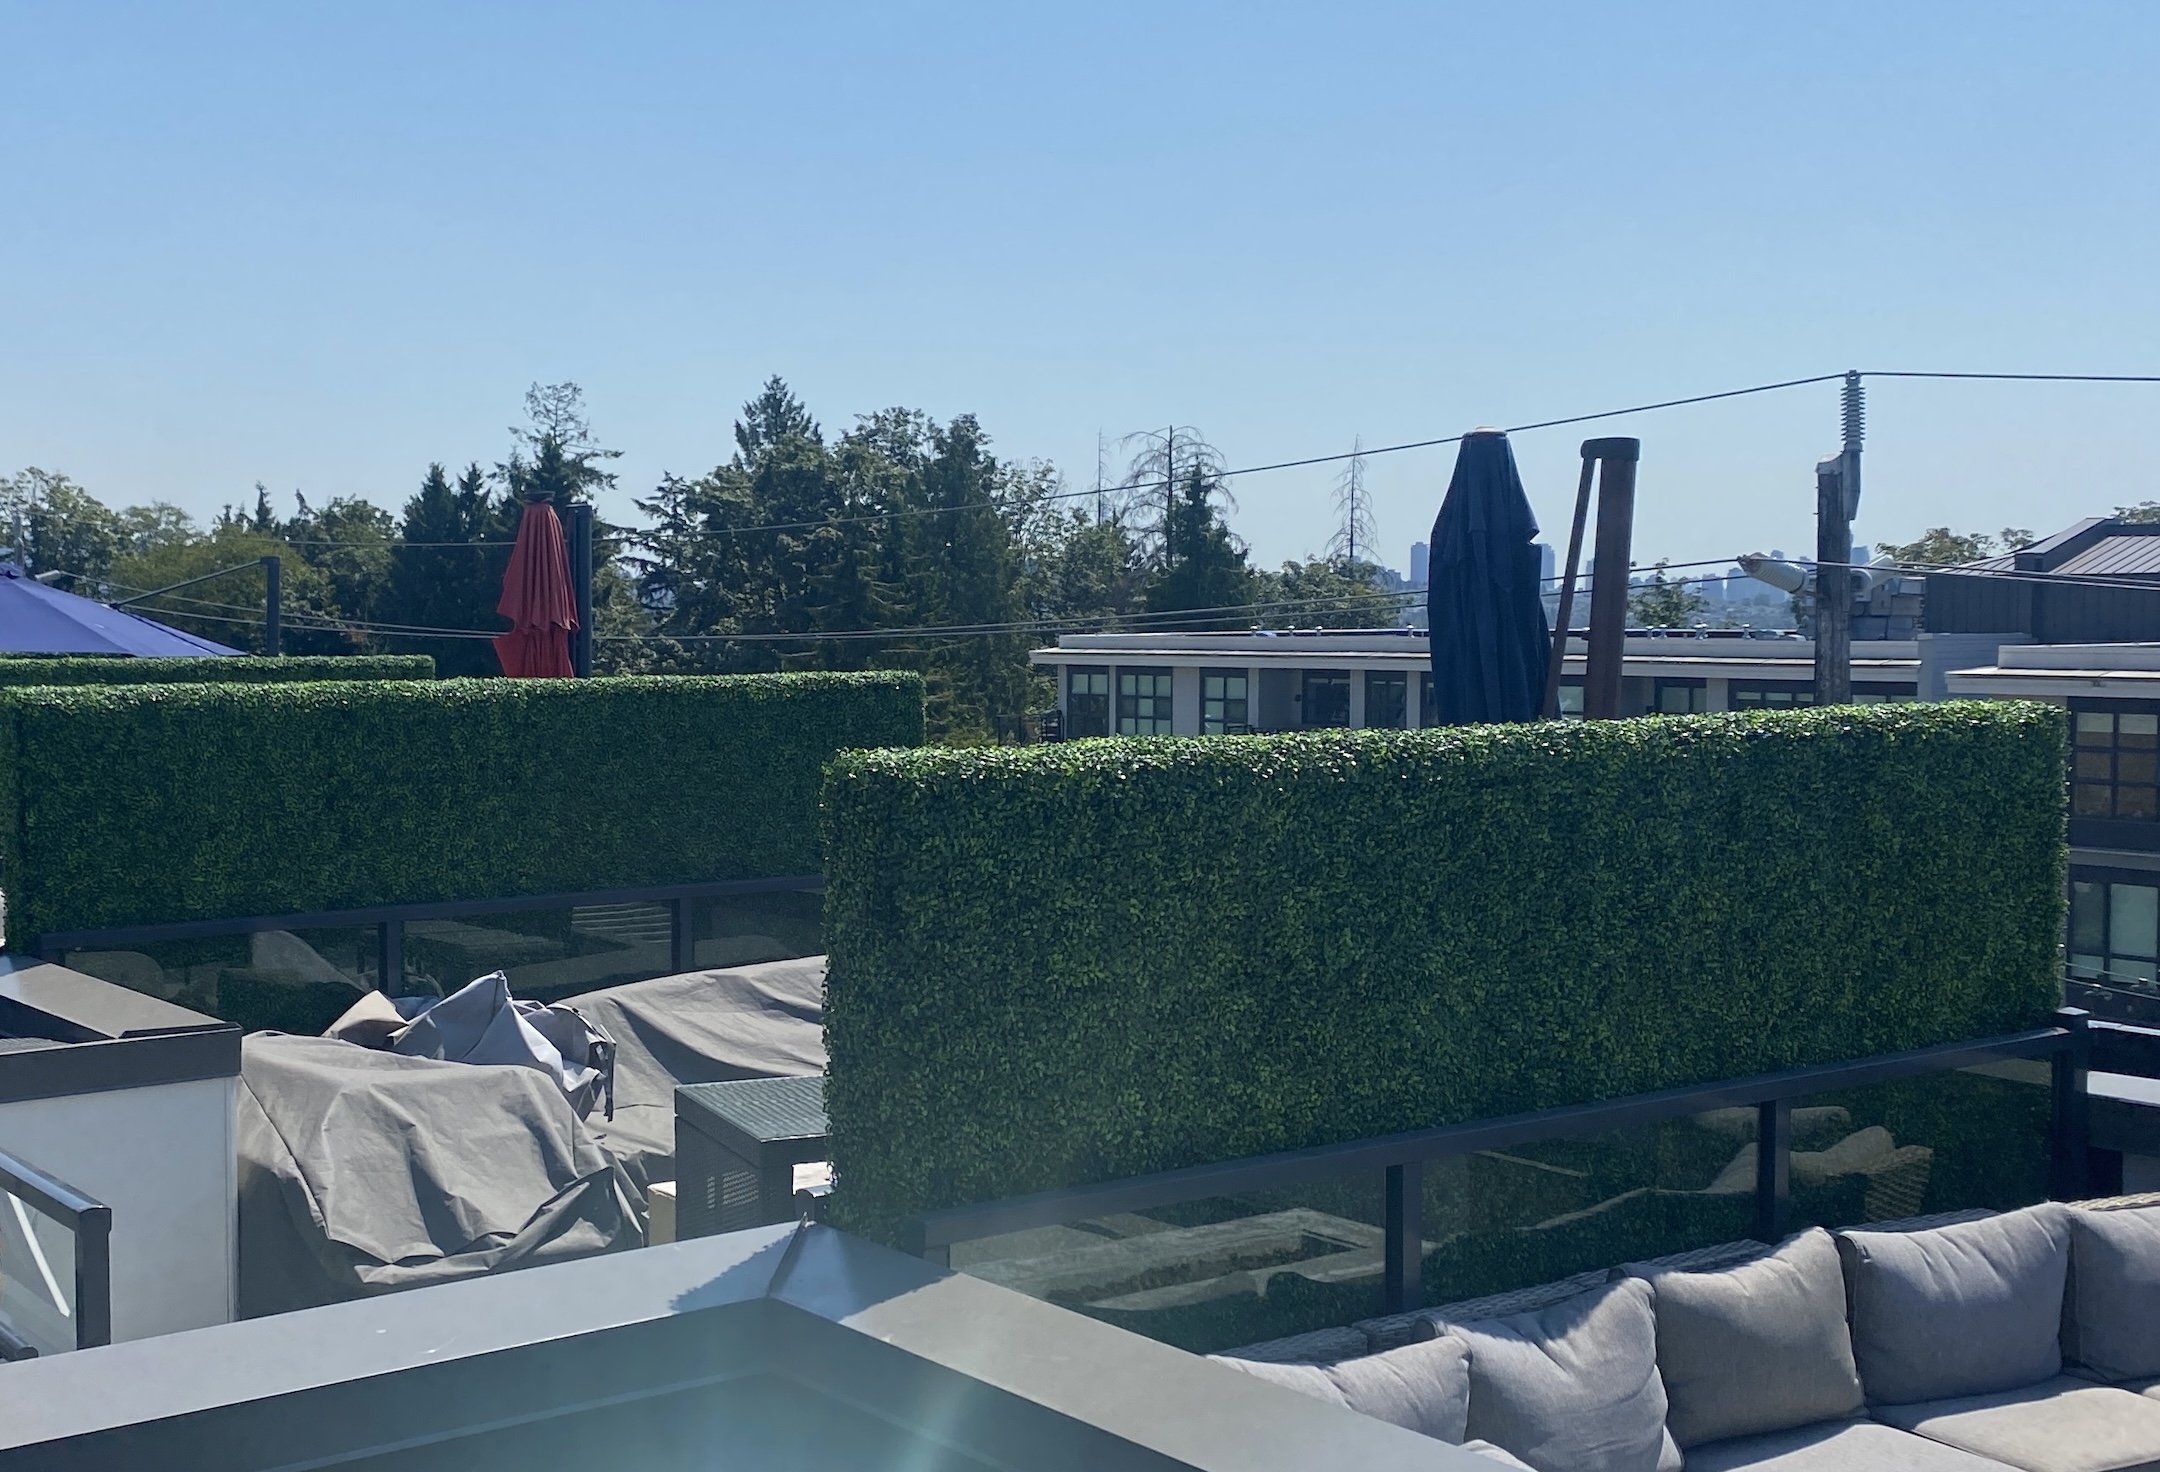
x=2068, y=1044
x=90, y=1222
x=389, y=921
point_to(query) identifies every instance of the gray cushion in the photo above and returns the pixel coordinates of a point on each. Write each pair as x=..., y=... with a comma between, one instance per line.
x=1573, y=1387
x=1756, y=1347
x=1498, y=1454
x=2113, y=1322
x=1423, y=1387
x=1839, y=1446
x=1959, y=1310
x=2060, y=1425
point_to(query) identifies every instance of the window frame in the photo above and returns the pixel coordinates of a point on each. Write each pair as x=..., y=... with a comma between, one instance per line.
x=2112, y=754
x=1219, y=723
x=1738, y=692
x=1400, y=680
x=1697, y=691
x=1076, y=727
x=1160, y=699
x=2103, y=881
x=1313, y=678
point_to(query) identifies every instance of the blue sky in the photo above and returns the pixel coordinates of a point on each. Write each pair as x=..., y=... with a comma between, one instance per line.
x=321, y=246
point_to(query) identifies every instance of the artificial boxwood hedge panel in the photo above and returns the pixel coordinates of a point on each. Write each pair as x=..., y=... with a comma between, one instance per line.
x=212, y=669
x=1074, y=963
x=150, y=803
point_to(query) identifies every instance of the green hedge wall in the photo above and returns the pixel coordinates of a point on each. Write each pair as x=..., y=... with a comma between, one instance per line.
x=212, y=669
x=137, y=804
x=1072, y=963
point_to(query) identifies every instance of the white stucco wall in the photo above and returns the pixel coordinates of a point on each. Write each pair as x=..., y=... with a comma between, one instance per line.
x=1185, y=700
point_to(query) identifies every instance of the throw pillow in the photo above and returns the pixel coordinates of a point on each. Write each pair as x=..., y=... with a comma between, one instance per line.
x=1422, y=1387
x=1961, y=1310
x=1761, y=1346
x=1573, y=1387
x=2113, y=1323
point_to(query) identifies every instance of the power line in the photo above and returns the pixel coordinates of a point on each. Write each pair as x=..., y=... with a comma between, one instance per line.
x=1426, y=444
x=2021, y=377
x=1153, y=484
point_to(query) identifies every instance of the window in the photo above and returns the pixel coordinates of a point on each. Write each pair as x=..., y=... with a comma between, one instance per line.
x=1769, y=694
x=1087, y=701
x=2111, y=763
x=1680, y=697
x=1326, y=699
x=1428, y=703
x=1224, y=706
x=2114, y=930
x=1571, y=700
x=1387, y=696
x=1143, y=702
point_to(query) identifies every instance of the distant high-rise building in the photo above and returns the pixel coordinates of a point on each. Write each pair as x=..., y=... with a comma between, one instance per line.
x=1545, y=564
x=1420, y=564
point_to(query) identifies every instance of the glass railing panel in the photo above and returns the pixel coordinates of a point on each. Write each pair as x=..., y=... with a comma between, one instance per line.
x=1972, y=1139
x=1499, y=1220
x=1207, y=1275
x=37, y=1278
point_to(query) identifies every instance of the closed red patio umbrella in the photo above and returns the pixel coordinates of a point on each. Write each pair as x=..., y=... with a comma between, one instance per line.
x=537, y=599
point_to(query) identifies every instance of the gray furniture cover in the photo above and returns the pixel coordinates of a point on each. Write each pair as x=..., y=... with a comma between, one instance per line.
x=364, y=1171
x=703, y=1027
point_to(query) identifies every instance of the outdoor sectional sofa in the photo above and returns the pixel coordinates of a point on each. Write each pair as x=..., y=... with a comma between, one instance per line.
x=2029, y=1339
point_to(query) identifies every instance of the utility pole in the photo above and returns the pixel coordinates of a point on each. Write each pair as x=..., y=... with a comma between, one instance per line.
x=1837, y=500
x=273, y=607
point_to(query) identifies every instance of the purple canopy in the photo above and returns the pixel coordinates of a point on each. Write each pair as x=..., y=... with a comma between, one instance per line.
x=35, y=619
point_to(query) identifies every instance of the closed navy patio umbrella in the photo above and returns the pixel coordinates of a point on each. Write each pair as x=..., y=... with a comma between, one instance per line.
x=1485, y=608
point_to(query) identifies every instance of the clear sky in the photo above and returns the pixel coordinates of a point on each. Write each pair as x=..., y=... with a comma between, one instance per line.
x=320, y=246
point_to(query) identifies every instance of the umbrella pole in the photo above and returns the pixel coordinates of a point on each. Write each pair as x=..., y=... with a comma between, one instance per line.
x=1551, y=707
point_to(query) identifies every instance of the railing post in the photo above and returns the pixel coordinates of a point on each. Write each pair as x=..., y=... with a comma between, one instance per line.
x=1773, y=1170
x=2071, y=1136
x=93, y=1278
x=682, y=948
x=390, y=957
x=1403, y=1274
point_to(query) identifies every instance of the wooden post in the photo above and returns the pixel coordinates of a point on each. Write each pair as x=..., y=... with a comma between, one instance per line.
x=1566, y=611
x=1837, y=501
x=1833, y=585
x=1609, y=574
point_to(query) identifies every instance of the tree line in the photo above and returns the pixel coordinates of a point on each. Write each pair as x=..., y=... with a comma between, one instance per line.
x=901, y=542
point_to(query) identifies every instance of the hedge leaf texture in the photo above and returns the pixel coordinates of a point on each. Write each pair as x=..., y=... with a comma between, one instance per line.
x=212, y=669
x=1073, y=963
x=148, y=803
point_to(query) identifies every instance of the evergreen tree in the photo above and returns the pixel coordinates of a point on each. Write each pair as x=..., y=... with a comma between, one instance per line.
x=350, y=540
x=447, y=570
x=1202, y=565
